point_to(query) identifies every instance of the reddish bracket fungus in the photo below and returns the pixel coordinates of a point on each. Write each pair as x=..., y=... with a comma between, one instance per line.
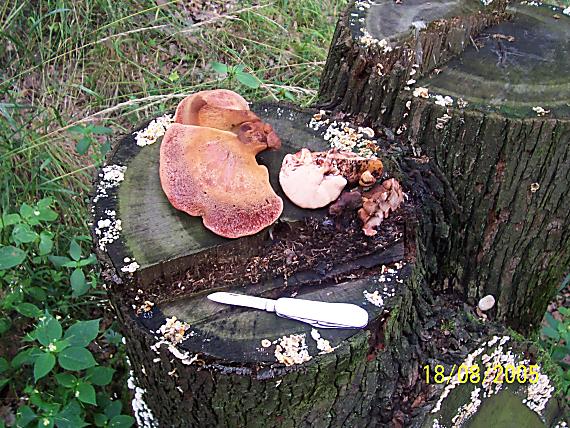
x=314, y=180
x=377, y=204
x=208, y=166
x=219, y=108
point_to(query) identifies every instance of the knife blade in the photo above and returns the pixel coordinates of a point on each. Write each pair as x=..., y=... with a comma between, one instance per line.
x=315, y=313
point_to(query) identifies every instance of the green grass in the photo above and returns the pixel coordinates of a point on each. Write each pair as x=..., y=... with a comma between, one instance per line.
x=74, y=76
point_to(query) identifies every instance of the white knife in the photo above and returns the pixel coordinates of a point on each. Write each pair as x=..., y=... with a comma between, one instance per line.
x=318, y=314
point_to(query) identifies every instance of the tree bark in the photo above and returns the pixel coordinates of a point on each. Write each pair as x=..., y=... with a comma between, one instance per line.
x=507, y=228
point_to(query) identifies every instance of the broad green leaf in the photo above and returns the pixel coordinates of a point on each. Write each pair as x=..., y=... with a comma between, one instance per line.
x=28, y=310
x=248, y=80
x=10, y=219
x=220, y=68
x=100, y=419
x=550, y=332
x=238, y=68
x=48, y=331
x=78, y=284
x=76, y=358
x=91, y=260
x=100, y=376
x=4, y=325
x=74, y=250
x=122, y=421
x=59, y=261
x=26, y=211
x=46, y=214
x=66, y=379
x=83, y=145
x=60, y=345
x=22, y=357
x=24, y=416
x=70, y=416
x=558, y=353
x=11, y=257
x=4, y=364
x=82, y=332
x=37, y=293
x=23, y=234
x=45, y=202
x=86, y=393
x=550, y=320
x=113, y=409
x=43, y=365
x=102, y=130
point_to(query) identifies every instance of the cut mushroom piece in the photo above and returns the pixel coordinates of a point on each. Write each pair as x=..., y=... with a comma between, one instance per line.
x=214, y=174
x=378, y=203
x=218, y=108
x=314, y=180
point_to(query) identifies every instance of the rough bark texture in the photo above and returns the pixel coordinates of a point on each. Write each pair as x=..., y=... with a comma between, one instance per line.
x=505, y=227
x=364, y=78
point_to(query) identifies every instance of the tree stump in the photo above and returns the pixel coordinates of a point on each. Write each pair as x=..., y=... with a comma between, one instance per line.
x=220, y=372
x=499, y=140
x=161, y=263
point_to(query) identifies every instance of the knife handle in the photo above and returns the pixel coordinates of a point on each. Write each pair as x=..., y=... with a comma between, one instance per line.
x=338, y=315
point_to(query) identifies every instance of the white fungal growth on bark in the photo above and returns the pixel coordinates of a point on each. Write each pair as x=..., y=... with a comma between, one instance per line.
x=344, y=136
x=368, y=40
x=174, y=330
x=292, y=350
x=155, y=129
x=143, y=414
x=375, y=298
x=108, y=229
x=131, y=267
x=540, y=111
x=494, y=362
x=323, y=345
x=110, y=176
x=444, y=101
x=421, y=92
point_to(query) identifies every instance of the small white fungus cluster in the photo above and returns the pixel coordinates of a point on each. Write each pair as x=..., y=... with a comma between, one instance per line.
x=540, y=111
x=131, y=265
x=375, y=298
x=421, y=92
x=323, y=345
x=155, y=129
x=110, y=177
x=143, y=414
x=292, y=350
x=108, y=229
x=344, y=136
x=538, y=394
x=173, y=330
x=444, y=101
x=368, y=40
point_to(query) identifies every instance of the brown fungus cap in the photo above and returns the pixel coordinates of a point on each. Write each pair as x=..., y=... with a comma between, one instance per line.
x=378, y=203
x=218, y=108
x=214, y=174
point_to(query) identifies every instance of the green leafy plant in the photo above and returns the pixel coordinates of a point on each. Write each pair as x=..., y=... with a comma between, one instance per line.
x=555, y=338
x=54, y=368
x=236, y=72
x=87, y=137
